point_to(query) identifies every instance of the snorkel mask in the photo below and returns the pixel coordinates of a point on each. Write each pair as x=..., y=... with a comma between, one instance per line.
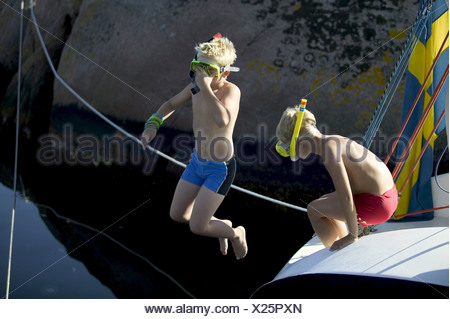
x=289, y=150
x=208, y=67
x=211, y=68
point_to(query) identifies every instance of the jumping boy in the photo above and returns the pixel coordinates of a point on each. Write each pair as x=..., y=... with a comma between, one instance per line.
x=211, y=170
x=365, y=191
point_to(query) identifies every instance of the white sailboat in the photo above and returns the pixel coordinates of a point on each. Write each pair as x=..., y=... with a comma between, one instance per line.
x=398, y=259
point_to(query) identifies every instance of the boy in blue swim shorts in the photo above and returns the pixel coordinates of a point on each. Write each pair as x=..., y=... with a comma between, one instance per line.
x=211, y=170
x=216, y=176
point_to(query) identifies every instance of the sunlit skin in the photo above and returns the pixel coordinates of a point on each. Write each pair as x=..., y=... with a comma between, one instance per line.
x=354, y=170
x=215, y=108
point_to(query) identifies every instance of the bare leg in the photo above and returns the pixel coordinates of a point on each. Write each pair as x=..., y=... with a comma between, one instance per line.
x=204, y=223
x=183, y=201
x=327, y=219
x=182, y=204
x=188, y=197
x=223, y=242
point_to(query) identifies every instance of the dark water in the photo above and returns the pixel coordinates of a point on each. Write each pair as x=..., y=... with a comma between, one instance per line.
x=96, y=230
x=41, y=267
x=101, y=229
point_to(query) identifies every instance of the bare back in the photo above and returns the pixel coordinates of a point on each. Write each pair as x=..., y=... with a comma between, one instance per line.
x=366, y=172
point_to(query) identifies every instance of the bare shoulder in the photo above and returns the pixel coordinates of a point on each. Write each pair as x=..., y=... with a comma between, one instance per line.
x=229, y=95
x=231, y=88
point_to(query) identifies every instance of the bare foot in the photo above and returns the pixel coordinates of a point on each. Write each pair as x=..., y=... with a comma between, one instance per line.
x=224, y=241
x=239, y=243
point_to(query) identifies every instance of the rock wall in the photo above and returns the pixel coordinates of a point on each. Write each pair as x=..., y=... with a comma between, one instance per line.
x=37, y=81
x=126, y=58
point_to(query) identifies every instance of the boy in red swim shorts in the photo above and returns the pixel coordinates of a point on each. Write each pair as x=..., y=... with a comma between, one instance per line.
x=375, y=209
x=365, y=191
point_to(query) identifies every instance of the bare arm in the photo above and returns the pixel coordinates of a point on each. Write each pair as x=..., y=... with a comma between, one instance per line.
x=174, y=103
x=336, y=168
x=166, y=110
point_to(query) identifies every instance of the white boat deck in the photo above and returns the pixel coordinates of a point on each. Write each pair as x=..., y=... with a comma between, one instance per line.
x=417, y=251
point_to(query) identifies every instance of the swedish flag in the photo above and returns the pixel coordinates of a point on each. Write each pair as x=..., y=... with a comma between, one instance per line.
x=416, y=195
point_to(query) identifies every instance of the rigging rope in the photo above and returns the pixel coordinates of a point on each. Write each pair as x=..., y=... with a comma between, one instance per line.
x=419, y=126
x=16, y=155
x=67, y=86
x=436, y=170
x=373, y=127
x=400, y=68
x=418, y=28
x=413, y=106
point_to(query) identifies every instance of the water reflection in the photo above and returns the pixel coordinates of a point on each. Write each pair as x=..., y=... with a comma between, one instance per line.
x=41, y=267
x=113, y=222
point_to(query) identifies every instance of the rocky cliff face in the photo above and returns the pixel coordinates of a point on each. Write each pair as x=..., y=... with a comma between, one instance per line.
x=126, y=58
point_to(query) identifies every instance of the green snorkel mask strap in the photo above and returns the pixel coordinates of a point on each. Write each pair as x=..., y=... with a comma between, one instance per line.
x=196, y=89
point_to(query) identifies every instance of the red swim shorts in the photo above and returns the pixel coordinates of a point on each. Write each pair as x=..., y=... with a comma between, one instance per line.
x=375, y=209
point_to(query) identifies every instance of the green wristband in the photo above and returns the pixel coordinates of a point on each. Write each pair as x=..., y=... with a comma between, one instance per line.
x=155, y=121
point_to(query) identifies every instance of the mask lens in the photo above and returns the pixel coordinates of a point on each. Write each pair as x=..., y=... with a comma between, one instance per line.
x=282, y=149
x=209, y=68
x=206, y=68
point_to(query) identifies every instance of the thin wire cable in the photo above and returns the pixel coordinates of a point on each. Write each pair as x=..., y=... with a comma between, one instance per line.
x=376, y=121
x=133, y=137
x=121, y=245
x=67, y=86
x=99, y=232
x=24, y=195
x=80, y=53
x=16, y=155
x=402, y=160
x=136, y=139
x=416, y=100
x=149, y=147
x=420, y=25
x=399, y=69
x=81, y=245
x=419, y=157
x=361, y=59
x=436, y=170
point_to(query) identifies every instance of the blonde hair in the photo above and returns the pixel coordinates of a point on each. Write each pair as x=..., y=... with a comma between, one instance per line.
x=286, y=126
x=221, y=49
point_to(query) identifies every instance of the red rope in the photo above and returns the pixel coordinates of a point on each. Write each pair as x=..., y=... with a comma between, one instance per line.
x=422, y=152
x=419, y=212
x=415, y=101
x=420, y=124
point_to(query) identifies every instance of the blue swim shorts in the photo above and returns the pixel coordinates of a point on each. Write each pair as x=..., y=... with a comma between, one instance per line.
x=216, y=176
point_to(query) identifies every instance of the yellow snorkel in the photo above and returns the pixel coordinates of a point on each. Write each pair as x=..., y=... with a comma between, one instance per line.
x=283, y=149
x=298, y=124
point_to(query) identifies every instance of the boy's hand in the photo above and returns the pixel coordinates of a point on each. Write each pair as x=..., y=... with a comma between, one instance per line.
x=343, y=242
x=147, y=136
x=202, y=78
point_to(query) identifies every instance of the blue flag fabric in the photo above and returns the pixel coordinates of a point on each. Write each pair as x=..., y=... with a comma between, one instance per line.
x=416, y=195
